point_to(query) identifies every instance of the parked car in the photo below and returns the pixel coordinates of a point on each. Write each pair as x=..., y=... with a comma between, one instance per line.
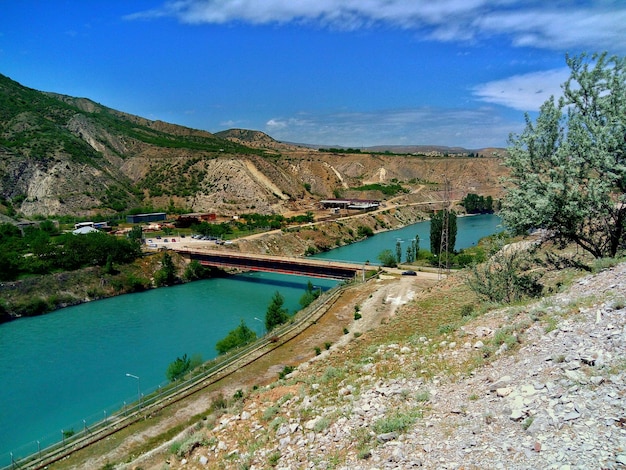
x=409, y=273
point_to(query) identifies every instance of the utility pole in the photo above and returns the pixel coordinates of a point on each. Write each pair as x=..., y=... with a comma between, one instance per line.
x=444, y=264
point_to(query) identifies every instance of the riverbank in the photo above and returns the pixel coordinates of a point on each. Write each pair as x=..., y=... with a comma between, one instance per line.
x=422, y=383
x=43, y=294
x=378, y=300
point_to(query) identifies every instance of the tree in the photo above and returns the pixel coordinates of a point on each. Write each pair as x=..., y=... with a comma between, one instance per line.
x=310, y=294
x=276, y=314
x=178, y=368
x=388, y=259
x=436, y=229
x=167, y=274
x=410, y=257
x=568, y=169
x=195, y=271
x=398, y=252
x=136, y=233
x=240, y=336
x=475, y=204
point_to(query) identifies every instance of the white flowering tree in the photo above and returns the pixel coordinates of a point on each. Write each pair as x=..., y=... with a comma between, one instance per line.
x=568, y=168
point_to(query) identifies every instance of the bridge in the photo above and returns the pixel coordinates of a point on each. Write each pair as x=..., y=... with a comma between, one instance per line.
x=310, y=267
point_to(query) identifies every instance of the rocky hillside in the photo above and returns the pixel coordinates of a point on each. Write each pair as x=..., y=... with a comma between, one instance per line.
x=63, y=155
x=534, y=386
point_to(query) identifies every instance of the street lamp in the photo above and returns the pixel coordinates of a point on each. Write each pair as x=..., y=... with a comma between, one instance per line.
x=262, y=323
x=138, y=387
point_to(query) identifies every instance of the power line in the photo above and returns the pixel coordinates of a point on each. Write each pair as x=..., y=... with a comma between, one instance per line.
x=444, y=261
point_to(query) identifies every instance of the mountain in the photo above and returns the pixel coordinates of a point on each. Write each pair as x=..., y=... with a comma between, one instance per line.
x=61, y=155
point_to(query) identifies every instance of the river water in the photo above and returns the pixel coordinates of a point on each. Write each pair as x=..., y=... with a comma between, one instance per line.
x=68, y=369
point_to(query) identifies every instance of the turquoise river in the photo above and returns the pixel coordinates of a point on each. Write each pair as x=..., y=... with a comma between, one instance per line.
x=68, y=369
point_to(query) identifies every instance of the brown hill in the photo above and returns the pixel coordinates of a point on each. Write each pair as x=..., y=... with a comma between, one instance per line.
x=63, y=155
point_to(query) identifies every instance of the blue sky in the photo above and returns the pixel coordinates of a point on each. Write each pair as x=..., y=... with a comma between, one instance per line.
x=332, y=72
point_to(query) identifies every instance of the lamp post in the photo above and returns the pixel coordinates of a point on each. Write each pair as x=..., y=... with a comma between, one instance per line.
x=138, y=387
x=261, y=321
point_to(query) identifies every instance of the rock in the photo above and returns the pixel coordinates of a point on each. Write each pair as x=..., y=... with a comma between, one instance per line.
x=504, y=391
x=478, y=344
x=310, y=424
x=387, y=436
x=502, y=382
x=203, y=460
x=517, y=414
x=571, y=416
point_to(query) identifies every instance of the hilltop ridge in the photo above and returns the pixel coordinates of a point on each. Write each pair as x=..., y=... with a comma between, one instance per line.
x=61, y=155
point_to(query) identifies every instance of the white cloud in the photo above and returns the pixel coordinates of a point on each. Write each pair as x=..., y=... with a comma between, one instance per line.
x=523, y=92
x=276, y=124
x=470, y=128
x=557, y=25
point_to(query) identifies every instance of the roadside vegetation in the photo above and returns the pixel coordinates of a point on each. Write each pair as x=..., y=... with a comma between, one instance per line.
x=43, y=250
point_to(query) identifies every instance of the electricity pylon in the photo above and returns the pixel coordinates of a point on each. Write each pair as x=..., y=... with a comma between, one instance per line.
x=444, y=261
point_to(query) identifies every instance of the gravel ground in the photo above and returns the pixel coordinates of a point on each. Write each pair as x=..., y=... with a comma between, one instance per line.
x=551, y=395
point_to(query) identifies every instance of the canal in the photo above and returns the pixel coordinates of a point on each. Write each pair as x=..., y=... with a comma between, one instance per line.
x=68, y=369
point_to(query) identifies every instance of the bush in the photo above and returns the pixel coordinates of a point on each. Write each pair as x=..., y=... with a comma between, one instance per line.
x=364, y=232
x=195, y=271
x=276, y=314
x=388, y=259
x=178, y=368
x=286, y=371
x=240, y=336
x=505, y=277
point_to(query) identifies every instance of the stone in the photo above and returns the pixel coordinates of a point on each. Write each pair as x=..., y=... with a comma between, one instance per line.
x=203, y=460
x=387, y=436
x=517, y=414
x=504, y=391
x=500, y=383
x=571, y=416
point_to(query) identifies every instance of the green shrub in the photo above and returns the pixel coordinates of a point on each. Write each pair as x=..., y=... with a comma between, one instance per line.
x=286, y=371
x=506, y=277
x=240, y=336
x=396, y=422
x=177, y=369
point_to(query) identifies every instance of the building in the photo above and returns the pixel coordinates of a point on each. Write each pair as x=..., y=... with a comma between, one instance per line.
x=145, y=218
x=351, y=204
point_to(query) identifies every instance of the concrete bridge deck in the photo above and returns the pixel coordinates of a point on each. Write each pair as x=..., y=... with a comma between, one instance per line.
x=280, y=264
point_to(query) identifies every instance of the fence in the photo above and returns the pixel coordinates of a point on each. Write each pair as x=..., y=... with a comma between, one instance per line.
x=121, y=415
